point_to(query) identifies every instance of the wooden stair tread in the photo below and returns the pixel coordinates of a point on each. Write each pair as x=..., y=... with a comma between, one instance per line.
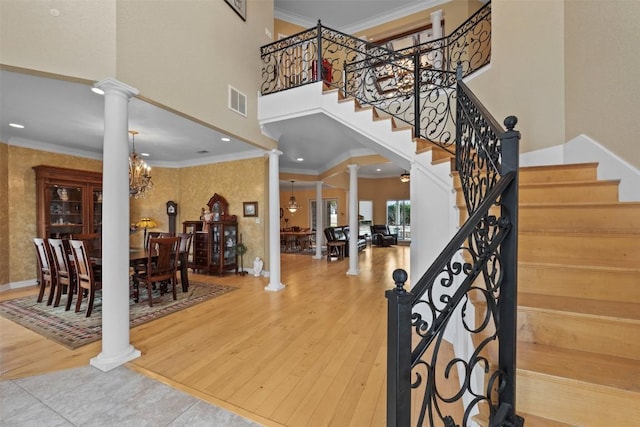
x=605, y=268
x=535, y=421
x=569, y=183
x=611, y=309
x=605, y=370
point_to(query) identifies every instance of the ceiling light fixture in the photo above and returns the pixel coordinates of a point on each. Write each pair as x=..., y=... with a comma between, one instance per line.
x=405, y=177
x=140, y=183
x=225, y=139
x=292, y=206
x=16, y=125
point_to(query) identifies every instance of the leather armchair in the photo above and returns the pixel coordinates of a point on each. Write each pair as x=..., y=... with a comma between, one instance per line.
x=381, y=236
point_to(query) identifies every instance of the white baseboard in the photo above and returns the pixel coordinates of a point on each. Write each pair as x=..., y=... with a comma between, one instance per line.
x=16, y=285
x=583, y=149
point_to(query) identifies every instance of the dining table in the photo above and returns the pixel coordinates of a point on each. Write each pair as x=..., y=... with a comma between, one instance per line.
x=296, y=241
x=139, y=256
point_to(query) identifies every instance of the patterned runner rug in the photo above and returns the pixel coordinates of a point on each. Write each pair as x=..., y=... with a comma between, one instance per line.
x=74, y=330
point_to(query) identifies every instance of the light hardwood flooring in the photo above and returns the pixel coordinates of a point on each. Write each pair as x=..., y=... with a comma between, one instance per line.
x=313, y=354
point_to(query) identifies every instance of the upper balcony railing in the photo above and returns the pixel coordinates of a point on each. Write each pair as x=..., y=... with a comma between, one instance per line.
x=415, y=85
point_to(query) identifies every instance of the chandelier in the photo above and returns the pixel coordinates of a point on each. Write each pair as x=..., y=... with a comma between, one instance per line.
x=405, y=177
x=292, y=206
x=140, y=183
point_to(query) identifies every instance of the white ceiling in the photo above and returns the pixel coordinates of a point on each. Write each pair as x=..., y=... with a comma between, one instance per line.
x=67, y=117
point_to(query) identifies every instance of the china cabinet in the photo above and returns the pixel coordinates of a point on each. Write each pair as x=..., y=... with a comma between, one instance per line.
x=215, y=238
x=68, y=201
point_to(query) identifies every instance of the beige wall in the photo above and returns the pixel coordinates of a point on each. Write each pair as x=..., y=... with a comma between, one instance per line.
x=379, y=191
x=191, y=188
x=185, y=58
x=527, y=78
x=602, y=60
x=177, y=56
x=454, y=13
x=79, y=42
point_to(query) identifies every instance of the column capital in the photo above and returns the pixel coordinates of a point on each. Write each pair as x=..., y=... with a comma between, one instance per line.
x=353, y=167
x=274, y=152
x=110, y=84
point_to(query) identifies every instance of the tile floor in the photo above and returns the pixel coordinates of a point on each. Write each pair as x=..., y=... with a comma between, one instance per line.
x=89, y=397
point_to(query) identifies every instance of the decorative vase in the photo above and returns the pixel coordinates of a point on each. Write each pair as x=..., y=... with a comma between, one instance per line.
x=257, y=267
x=62, y=193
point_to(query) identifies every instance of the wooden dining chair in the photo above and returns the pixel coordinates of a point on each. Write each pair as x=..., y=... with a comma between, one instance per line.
x=92, y=241
x=162, y=265
x=46, y=270
x=183, y=259
x=65, y=276
x=86, y=275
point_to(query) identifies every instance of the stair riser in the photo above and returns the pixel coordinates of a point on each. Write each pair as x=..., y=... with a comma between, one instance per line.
x=574, y=402
x=612, y=250
x=596, y=334
x=600, y=192
x=601, y=285
x=564, y=173
x=618, y=218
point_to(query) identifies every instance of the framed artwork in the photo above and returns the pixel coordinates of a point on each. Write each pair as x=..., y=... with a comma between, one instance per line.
x=250, y=208
x=239, y=6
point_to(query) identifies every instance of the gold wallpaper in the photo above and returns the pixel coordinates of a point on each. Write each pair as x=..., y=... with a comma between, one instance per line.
x=237, y=181
x=4, y=213
x=22, y=204
x=191, y=188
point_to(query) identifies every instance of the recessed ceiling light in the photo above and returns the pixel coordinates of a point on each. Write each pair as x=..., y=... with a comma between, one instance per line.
x=16, y=125
x=145, y=154
x=97, y=90
x=378, y=170
x=225, y=139
x=300, y=159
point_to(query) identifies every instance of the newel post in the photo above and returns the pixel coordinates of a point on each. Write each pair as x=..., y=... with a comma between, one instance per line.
x=399, y=352
x=507, y=331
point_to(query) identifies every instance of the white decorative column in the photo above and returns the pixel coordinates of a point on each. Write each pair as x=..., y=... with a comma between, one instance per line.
x=354, y=269
x=436, y=33
x=319, y=224
x=116, y=349
x=274, y=222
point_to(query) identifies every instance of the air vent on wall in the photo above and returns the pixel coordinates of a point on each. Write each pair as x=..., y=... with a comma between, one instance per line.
x=237, y=101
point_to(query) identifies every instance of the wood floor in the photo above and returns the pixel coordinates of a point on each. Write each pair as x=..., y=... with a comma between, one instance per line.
x=313, y=354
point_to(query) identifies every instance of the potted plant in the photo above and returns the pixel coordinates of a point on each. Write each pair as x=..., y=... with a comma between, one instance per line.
x=241, y=249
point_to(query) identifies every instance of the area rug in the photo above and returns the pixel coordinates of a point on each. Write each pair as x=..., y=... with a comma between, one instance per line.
x=74, y=330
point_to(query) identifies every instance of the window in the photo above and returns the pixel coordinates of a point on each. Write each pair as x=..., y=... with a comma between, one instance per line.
x=365, y=217
x=329, y=213
x=399, y=218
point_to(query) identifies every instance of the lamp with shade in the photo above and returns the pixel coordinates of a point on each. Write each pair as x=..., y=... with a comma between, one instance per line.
x=145, y=223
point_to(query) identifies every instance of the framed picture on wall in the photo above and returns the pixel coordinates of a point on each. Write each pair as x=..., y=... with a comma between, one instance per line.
x=239, y=6
x=250, y=208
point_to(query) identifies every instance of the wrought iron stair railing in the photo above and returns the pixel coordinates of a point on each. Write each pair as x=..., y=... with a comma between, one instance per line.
x=470, y=287
x=414, y=86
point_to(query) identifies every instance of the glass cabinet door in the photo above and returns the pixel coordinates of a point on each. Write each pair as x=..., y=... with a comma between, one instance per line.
x=216, y=235
x=65, y=211
x=96, y=225
x=230, y=241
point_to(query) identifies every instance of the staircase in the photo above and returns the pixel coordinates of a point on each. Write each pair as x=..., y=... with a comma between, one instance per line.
x=578, y=301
